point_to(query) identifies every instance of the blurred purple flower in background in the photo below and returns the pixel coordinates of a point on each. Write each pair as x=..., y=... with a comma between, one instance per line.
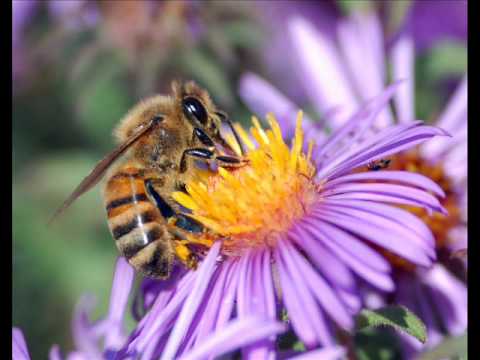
x=338, y=76
x=431, y=21
x=22, y=11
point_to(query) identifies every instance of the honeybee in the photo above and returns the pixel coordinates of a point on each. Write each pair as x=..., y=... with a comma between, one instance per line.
x=159, y=141
x=379, y=165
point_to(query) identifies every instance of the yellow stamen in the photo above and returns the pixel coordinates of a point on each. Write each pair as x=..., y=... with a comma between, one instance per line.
x=251, y=206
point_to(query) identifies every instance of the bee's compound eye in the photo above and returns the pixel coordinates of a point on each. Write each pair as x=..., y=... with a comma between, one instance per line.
x=194, y=110
x=157, y=118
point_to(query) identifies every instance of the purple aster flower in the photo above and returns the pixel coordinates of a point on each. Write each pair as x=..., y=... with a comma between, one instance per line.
x=74, y=14
x=285, y=233
x=111, y=333
x=355, y=71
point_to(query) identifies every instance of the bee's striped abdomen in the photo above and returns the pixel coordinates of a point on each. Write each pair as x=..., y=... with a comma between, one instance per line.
x=137, y=225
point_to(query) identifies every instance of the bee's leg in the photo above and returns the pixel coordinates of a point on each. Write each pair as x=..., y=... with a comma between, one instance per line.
x=207, y=141
x=198, y=153
x=184, y=254
x=165, y=209
x=226, y=119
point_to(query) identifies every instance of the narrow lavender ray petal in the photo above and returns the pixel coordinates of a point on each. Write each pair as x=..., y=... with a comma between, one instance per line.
x=81, y=332
x=411, y=226
x=451, y=288
x=383, y=236
x=54, y=353
x=438, y=148
x=258, y=307
x=268, y=287
x=158, y=317
x=376, y=278
x=237, y=333
x=397, y=229
x=362, y=155
x=384, y=136
x=402, y=57
x=327, y=263
x=353, y=245
x=204, y=274
x=454, y=316
x=358, y=37
x=206, y=313
x=414, y=179
x=242, y=297
x=351, y=299
x=262, y=98
x=321, y=290
x=210, y=314
x=313, y=49
x=328, y=353
x=121, y=287
x=423, y=198
x=231, y=286
x=358, y=123
x=300, y=322
x=19, y=345
x=426, y=312
x=309, y=305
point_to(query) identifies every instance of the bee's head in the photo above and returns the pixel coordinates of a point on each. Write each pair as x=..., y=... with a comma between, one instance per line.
x=198, y=108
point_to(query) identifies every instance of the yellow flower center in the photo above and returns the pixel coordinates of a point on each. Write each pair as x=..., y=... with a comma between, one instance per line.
x=253, y=205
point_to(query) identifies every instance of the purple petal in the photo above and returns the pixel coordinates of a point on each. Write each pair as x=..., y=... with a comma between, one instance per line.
x=387, y=142
x=209, y=313
x=54, y=353
x=121, y=287
x=19, y=346
x=326, y=262
x=409, y=178
x=452, y=119
x=327, y=237
x=236, y=334
x=154, y=323
x=379, y=235
x=357, y=125
x=454, y=292
x=305, y=304
x=361, y=41
x=203, y=276
x=383, y=217
x=402, y=66
x=321, y=290
x=83, y=338
x=328, y=88
x=231, y=286
x=263, y=98
x=410, y=194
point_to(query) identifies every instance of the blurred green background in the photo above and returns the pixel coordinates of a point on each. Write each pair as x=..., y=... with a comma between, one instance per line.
x=78, y=66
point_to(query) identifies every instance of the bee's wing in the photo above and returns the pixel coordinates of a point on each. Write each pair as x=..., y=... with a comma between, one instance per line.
x=97, y=173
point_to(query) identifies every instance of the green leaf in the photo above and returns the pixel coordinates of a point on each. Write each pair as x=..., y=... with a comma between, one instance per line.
x=376, y=344
x=349, y=6
x=398, y=317
x=448, y=58
x=448, y=348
